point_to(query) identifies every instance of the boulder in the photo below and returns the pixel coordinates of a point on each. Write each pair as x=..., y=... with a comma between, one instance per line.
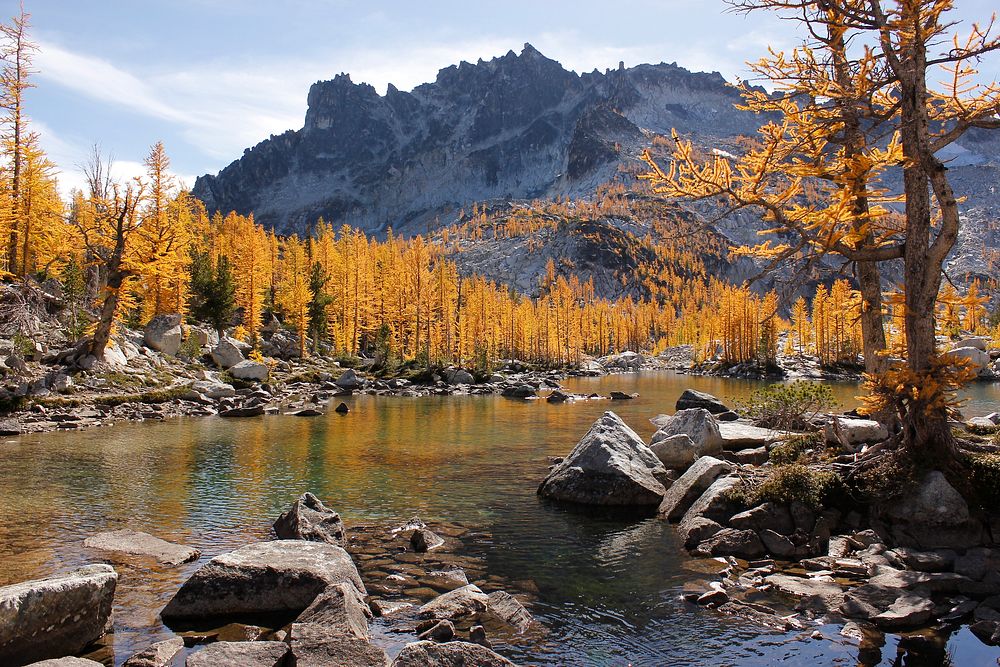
x=714, y=503
x=281, y=577
x=977, y=360
x=318, y=645
x=213, y=389
x=933, y=515
x=779, y=546
x=813, y=592
x=461, y=602
x=520, y=391
x=164, y=334
x=622, y=396
x=767, y=516
x=68, y=661
x=674, y=451
x=239, y=654
x=558, y=397
x=227, y=353
x=441, y=631
x=609, y=466
x=342, y=409
x=854, y=431
x=697, y=399
x=696, y=530
x=349, y=380
x=508, y=609
x=56, y=616
x=203, y=336
x=160, y=654
x=137, y=543
x=423, y=540
x=983, y=423
x=250, y=370
x=689, y=486
x=732, y=542
x=736, y=435
x=696, y=423
x=340, y=607
x=451, y=654
x=458, y=376
x=978, y=342
x=888, y=608
x=249, y=411
x=309, y=519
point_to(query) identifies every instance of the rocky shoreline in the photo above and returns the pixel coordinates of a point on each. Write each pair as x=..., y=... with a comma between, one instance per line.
x=793, y=555
x=320, y=593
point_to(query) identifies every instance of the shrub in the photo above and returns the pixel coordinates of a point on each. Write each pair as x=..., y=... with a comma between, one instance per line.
x=788, y=483
x=789, y=407
x=888, y=476
x=793, y=449
x=985, y=479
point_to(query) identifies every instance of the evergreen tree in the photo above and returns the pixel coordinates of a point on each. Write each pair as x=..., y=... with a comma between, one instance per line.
x=318, y=321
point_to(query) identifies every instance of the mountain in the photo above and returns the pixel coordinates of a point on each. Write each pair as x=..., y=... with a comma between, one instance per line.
x=517, y=127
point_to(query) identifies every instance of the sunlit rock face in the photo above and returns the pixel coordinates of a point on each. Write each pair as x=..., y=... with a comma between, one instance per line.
x=518, y=126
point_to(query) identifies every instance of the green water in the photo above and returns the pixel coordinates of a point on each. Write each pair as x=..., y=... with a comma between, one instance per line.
x=607, y=586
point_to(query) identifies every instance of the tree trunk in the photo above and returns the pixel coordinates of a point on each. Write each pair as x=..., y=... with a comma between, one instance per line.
x=925, y=429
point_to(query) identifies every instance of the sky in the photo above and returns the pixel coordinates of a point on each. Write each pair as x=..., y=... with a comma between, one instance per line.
x=211, y=78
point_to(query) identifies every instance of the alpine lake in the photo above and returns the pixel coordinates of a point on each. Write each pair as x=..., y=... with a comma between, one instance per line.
x=605, y=587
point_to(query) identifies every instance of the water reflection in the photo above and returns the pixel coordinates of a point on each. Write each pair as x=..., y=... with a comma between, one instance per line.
x=607, y=586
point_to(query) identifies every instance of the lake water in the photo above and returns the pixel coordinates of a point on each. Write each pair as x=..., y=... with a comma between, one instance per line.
x=608, y=587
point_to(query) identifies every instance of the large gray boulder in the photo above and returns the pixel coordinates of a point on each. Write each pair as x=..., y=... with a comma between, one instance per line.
x=696, y=423
x=609, y=466
x=281, y=577
x=349, y=380
x=136, y=543
x=164, y=334
x=741, y=435
x=57, y=616
x=714, y=503
x=319, y=645
x=68, y=661
x=213, y=389
x=458, y=376
x=854, y=431
x=309, y=519
x=698, y=399
x=240, y=654
x=689, y=486
x=340, y=607
x=227, y=353
x=251, y=370
x=978, y=360
x=450, y=654
x=933, y=515
x=674, y=451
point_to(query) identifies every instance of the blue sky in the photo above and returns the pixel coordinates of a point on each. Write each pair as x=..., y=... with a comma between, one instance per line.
x=212, y=77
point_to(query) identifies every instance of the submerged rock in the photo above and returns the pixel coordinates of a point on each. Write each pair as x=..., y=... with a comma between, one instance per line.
x=56, y=616
x=137, y=543
x=309, y=519
x=610, y=466
x=282, y=577
x=160, y=654
x=507, y=608
x=423, y=540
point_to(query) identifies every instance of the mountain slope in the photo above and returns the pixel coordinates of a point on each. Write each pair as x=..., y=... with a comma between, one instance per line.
x=518, y=126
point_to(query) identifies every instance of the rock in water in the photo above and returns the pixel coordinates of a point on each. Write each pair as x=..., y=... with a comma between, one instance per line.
x=696, y=423
x=697, y=399
x=66, y=662
x=309, y=519
x=340, y=608
x=452, y=654
x=507, y=608
x=240, y=654
x=465, y=601
x=316, y=645
x=689, y=487
x=282, y=577
x=160, y=654
x=423, y=540
x=609, y=466
x=57, y=616
x=137, y=543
